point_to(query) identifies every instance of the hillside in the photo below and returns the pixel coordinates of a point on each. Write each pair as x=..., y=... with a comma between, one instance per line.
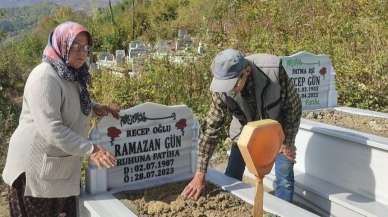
x=76, y=4
x=18, y=17
x=16, y=20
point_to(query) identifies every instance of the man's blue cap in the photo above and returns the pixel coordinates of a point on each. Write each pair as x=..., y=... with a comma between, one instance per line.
x=226, y=68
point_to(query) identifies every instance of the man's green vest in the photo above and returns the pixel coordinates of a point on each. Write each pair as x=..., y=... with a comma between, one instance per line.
x=265, y=74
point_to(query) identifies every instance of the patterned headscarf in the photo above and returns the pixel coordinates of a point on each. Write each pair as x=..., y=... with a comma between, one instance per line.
x=56, y=53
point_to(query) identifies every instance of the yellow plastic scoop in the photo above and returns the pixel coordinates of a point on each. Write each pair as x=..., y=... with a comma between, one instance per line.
x=259, y=144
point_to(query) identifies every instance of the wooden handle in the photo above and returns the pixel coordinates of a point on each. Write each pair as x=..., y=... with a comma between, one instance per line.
x=258, y=206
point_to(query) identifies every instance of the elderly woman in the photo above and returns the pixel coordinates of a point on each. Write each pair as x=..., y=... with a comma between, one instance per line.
x=44, y=157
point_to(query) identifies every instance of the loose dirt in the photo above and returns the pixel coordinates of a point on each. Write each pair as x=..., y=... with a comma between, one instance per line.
x=165, y=201
x=373, y=125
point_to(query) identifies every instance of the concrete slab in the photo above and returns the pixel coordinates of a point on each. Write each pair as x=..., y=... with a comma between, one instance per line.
x=106, y=205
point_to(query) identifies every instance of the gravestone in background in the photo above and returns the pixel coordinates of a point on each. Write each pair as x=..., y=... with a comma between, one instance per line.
x=313, y=77
x=154, y=144
x=120, y=57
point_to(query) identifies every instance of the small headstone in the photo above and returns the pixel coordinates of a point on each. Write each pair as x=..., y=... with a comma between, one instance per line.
x=137, y=49
x=120, y=57
x=182, y=33
x=162, y=47
x=313, y=77
x=154, y=144
x=105, y=56
x=138, y=64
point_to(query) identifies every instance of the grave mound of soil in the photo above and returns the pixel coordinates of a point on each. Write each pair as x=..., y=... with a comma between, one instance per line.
x=165, y=201
x=367, y=124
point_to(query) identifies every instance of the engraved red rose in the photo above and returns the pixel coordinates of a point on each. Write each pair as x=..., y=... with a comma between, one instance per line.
x=323, y=71
x=113, y=132
x=181, y=125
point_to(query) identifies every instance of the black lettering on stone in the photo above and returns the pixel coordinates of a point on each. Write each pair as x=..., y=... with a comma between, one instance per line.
x=137, y=147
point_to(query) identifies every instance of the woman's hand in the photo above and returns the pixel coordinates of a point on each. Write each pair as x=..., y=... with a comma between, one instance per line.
x=104, y=110
x=102, y=158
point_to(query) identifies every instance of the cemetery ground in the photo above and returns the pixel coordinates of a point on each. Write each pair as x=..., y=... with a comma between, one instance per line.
x=373, y=125
x=366, y=124
x=165, y=201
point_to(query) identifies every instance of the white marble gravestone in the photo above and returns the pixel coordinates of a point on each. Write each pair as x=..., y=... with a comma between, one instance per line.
x=313, y=77
x=154, y=144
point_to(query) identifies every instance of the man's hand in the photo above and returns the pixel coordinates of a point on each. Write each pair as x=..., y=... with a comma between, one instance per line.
x=195, y=187
x=104, y=110
x=102, y=158
x=289, y=152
